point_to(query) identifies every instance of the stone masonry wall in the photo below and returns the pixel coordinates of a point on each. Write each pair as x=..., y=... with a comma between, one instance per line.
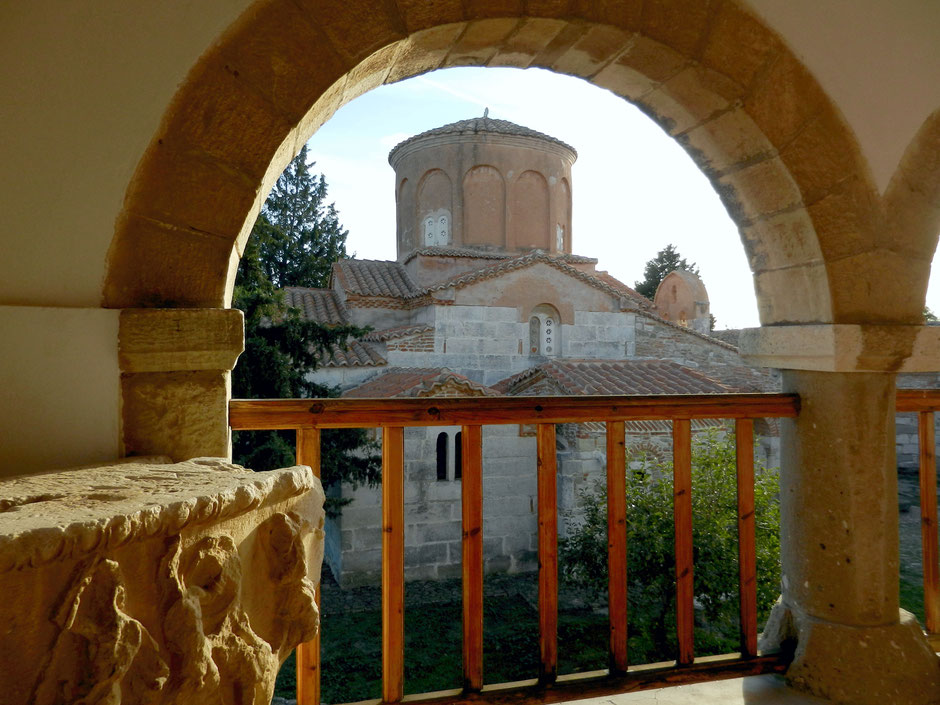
x=488, y=343
x=433, y=515
x=657, y=340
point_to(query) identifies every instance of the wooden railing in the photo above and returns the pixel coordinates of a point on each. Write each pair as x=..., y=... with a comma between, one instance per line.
x=925, y=403
x=393, y=415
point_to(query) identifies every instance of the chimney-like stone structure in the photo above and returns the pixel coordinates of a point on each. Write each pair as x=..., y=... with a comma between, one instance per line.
x=483, y=184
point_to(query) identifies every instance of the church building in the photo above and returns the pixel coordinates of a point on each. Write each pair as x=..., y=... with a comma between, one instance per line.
x=486, y=297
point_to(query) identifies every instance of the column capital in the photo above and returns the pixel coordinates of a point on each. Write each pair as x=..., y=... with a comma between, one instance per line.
x=180, y=339
x=843, y=347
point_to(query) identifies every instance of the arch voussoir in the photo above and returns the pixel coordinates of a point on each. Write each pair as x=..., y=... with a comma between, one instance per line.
x=479, y=42
x=531, y=38
x=912, y=199
x=710, y=73
x=289, y=69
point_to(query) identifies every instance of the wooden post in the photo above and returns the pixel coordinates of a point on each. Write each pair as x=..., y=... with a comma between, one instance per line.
x=548, y=554
x=472, y=556
x=393, y=563
x=928, y=520
x=308, y=654
x=747, y=552
x=617, y=546
x=682, y=508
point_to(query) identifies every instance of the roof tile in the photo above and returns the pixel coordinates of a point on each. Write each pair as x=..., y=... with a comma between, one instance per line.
x=614, y=377
x=414, y=382
x=367, y=277
x=481, y=125
x=356, y=354
x=320, y=305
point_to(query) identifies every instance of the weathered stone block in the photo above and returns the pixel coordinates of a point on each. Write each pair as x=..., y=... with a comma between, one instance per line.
x=425, y=554
x=444, y=531
x=156, y=583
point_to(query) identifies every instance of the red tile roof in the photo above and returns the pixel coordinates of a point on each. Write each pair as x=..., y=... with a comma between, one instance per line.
x=415, y=382
x=399, y=332
x=613, y=377
x=367, y=277
x=433, y=251
x=481, y=125
x=320, y=305
x=615, y=283
x=356, y=354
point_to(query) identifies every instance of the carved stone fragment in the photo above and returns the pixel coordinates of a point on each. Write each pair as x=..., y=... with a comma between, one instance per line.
x=148, y=583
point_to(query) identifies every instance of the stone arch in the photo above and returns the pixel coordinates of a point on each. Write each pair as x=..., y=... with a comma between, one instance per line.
x=712, y=75
x=529, y=212
x=912, y=209
x=435, y=209
x=484, y=207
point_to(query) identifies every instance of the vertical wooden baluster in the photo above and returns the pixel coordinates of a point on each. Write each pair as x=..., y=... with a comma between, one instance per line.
x=393, y=563
x=548, y=554
x=308, y=654
x=682, y=508
x=617, y=546
x=747, y=556
x=472, y=556
x=928, y=520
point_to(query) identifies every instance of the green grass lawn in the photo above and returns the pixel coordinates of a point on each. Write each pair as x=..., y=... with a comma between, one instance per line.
x=352, y=648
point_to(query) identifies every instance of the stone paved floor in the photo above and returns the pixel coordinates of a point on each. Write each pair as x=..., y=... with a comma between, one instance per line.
x=754, y=690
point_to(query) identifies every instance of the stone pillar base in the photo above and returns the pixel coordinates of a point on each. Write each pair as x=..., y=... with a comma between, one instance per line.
x=858, y=665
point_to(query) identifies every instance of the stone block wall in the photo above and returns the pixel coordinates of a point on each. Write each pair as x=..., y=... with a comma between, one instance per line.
x=595, y=334
x=433, y=512
x=658, y=340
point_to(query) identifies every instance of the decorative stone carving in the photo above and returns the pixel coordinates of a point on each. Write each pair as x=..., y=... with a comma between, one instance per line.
x=156, y=583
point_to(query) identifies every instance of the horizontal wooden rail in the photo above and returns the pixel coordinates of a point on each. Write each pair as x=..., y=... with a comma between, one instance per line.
x=310, y=415
x=271, y=414
x=918, y=400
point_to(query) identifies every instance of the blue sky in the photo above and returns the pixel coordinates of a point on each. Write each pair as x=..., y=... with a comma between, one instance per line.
x=634, y=189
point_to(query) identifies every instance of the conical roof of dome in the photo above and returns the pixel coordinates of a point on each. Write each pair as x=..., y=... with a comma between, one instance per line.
x=482, y=125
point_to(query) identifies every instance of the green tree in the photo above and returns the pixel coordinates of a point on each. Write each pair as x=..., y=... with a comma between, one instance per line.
x=666, y=260
x=650, y=555
x=930, y=316
x=294, y=242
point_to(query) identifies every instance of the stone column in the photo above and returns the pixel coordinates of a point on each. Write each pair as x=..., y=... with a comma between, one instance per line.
x=176, y=380
x=839, y=519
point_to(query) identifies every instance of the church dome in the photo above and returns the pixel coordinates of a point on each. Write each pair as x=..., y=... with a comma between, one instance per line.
x=479, y=126
x=483, y=184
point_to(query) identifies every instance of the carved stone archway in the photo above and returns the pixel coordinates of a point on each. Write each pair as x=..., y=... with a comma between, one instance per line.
x=840, y=271
x=714, y=77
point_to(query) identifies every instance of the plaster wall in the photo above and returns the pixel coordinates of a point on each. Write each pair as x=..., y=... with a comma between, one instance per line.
x=879, y=62
x=536, y=284
x=59, y=374
x=84, y=92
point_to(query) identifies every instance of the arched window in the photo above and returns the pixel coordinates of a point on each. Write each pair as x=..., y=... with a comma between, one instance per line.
x=545, y=331
x=458, y=455
x=442, y=456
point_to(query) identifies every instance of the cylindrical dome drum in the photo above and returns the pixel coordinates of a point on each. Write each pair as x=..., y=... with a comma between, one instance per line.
x=483, y=184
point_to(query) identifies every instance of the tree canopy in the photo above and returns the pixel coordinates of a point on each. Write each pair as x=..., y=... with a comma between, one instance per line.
x=294, y=242
x=666, y=260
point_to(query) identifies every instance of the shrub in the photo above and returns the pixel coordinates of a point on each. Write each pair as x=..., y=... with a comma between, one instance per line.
x=650, y=548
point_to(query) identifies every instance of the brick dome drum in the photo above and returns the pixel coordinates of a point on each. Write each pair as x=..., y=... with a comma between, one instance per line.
x=483, y=184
